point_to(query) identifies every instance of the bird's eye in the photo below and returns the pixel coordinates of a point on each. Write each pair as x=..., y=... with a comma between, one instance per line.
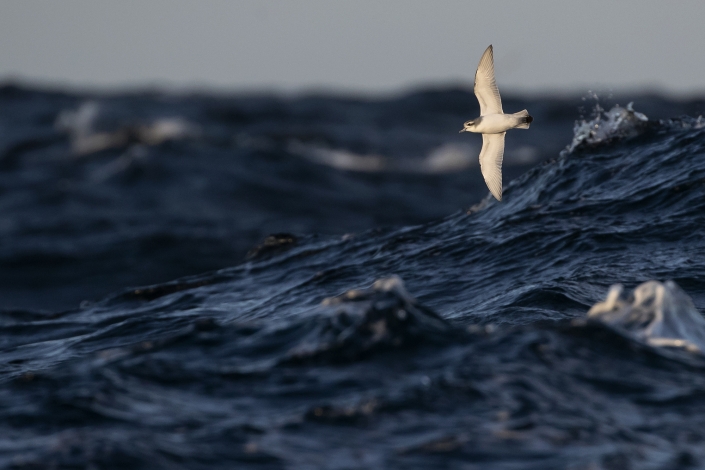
x=469, y=123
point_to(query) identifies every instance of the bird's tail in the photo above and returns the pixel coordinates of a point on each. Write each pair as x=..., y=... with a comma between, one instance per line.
x=524, y=119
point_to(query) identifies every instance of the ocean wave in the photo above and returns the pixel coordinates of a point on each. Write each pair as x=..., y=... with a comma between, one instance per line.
x=484, y=353
x=366, y=320
x=622, y=123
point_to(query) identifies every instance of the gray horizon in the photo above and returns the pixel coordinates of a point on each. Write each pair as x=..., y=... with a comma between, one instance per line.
x=542, y=47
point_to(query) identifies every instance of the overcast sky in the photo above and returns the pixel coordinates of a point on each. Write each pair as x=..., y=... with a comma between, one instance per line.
x=355, y=45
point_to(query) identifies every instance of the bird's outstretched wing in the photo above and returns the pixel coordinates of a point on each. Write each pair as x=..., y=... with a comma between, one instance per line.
x=491, y=158
x=485, y=86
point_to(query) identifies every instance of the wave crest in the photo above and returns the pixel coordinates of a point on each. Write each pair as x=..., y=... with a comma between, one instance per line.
x=660, y=314
x=381, y=317
x=617, y=123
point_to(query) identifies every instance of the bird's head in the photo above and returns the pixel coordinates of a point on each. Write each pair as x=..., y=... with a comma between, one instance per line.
x=467, y=126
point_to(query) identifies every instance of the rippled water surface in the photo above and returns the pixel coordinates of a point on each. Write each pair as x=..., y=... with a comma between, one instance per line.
x=325, y=283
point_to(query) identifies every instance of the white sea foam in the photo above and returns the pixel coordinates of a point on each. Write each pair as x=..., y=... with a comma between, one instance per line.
x=443, y=159
x=93, y=128
x=446, y=158
x=618, y=122
x=660, y=314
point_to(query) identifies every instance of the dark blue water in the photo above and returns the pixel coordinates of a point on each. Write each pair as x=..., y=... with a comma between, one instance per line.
x=397, y=316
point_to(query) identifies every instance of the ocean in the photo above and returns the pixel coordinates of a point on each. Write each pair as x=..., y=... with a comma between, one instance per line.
x=321, y=281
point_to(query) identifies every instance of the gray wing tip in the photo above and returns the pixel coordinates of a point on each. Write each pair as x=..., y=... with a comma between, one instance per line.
x=494, y=184
x=487, y=60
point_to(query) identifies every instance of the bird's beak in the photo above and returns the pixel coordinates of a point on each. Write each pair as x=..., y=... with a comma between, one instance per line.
x=462, y=130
